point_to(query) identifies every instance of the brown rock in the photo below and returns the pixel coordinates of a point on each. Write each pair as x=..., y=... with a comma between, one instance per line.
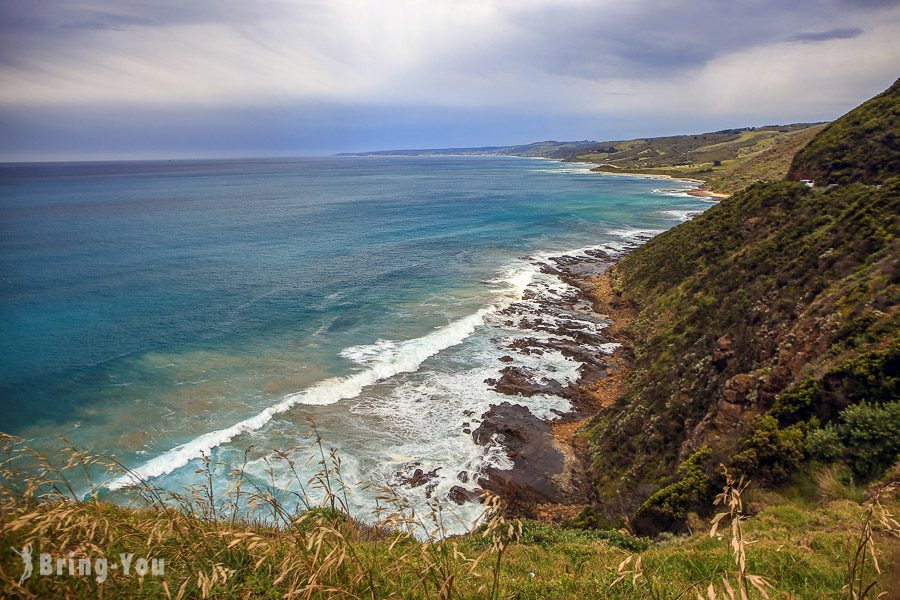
x=737, y=390
x=461, y=495
x=530, y=445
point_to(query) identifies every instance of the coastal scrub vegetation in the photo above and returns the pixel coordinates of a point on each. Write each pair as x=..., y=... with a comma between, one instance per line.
x=781, y=299
x=767, y=335
x=863, y=145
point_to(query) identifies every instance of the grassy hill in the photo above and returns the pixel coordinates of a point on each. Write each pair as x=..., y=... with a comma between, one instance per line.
x=768, y=339
x=863, y=145
x=726, y=161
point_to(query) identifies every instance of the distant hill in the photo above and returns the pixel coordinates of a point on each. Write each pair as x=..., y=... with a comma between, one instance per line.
x=546, y=149
x=727, y=160
x=863, y=145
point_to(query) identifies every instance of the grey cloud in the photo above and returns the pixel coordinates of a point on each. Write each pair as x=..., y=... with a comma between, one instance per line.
x=824, y=36
x=639, y=39
x=57, y=26
x=23, y=16
x=100, y=21
x=655, y=37
x=872, y=3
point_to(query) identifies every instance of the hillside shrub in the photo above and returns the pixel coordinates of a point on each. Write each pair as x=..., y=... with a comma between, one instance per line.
x=667, y=509
x=769, y=452
x=795, y=404
x=871, y=436
x=823, y=444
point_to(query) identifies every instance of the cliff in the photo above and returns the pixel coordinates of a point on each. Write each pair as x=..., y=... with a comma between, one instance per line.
x=767, y=334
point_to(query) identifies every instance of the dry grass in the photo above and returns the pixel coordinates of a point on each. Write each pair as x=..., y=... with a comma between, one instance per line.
x=246, y=543
x=862, y=556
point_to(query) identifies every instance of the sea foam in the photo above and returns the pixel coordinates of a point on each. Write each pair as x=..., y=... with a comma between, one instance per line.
x=382, y=360
x=405, y=359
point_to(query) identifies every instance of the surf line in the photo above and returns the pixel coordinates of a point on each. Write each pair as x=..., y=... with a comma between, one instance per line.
x=410, y=355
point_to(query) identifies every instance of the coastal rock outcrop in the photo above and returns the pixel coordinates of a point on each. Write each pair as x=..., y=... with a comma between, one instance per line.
x=556, y=324
x=530, y=446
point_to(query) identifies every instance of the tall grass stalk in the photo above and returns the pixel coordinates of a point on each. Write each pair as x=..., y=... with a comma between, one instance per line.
x=245, y=538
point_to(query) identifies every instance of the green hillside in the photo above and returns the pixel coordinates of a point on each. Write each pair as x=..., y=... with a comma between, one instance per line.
x=726, y=161
x=863, y=145
x=768, y=337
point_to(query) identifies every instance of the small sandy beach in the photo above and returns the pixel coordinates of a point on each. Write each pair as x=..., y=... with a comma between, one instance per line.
x=701, y=191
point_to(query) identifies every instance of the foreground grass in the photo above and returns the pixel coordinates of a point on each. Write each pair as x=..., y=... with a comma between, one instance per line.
x=799, y=546
x=799, y=549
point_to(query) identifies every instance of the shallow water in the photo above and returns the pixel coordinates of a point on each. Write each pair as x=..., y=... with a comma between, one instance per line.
x=154, y=310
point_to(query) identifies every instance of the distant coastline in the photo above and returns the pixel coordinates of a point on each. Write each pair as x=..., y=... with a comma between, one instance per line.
x=701, y=191
x=720, y=162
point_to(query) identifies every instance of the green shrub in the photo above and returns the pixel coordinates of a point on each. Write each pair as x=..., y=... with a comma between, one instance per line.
x=870, y=377
x=769, y=452
x=824, y=444
x=667, y=509
x=870, y=434
x=589, y=518
x=796, y=403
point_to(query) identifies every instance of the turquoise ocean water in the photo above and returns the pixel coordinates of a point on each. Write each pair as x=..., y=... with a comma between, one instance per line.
x=157, y=310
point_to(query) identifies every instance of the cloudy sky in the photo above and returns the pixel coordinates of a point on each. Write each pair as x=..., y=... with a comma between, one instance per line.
x=141, y=78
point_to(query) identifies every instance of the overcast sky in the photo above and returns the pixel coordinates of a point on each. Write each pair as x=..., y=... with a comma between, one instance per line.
x=175, y=78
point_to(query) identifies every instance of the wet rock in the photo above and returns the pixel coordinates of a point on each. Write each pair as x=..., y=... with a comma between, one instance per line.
x=461, y=495
x=529, y=444
x=414, y=476
x=519, y=381
x=591, y=373
x=563, y=321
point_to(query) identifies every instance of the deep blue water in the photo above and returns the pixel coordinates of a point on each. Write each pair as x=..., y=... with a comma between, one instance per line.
x=144, y=304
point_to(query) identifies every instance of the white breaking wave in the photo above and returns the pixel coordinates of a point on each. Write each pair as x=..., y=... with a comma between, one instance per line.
x=564, y=170
x=366, y=354
x=383, y=359
x=677, y=193
x=681, y=215
x=404, y=359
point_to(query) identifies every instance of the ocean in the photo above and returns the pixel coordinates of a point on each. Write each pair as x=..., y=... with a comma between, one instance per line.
x=158, y=311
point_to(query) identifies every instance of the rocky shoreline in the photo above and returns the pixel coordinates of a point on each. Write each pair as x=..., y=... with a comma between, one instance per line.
x=582, y=319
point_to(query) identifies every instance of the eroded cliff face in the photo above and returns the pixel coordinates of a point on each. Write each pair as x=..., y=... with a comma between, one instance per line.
x=758, y=323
